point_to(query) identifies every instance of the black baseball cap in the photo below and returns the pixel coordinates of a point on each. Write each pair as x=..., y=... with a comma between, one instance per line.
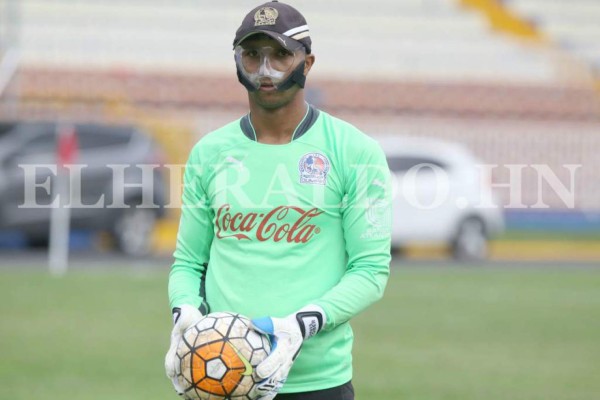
x=279, y=21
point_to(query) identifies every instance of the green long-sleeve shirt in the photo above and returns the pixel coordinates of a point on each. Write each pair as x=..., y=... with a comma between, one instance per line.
x=267, y=229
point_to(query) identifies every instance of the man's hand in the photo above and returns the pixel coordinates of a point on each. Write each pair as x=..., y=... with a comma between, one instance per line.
x=287, y=335
x=183, y=317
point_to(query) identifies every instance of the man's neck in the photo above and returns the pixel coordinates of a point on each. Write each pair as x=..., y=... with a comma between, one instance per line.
x=277, y=126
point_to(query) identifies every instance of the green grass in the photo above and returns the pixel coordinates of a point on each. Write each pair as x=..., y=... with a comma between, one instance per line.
x=480, y=334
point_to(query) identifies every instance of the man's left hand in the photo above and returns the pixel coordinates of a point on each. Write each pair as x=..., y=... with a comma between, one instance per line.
x=287, y=335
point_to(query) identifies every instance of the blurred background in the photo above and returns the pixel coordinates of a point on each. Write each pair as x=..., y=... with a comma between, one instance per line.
x=507, y=90
x=514, y=83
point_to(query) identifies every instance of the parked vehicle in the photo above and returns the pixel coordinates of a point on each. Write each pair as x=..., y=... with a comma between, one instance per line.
x=441, y=197
x=24, y=144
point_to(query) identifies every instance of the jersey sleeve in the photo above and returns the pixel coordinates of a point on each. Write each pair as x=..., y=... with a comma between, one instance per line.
x=366, y=222
x=194, y=239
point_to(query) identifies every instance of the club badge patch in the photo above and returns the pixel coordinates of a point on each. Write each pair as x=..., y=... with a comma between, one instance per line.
x=265, y=16
x=313, y=169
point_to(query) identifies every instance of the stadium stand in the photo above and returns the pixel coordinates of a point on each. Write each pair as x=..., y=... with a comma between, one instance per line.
x=458, y=49
x=414, y=39
x=573, y=25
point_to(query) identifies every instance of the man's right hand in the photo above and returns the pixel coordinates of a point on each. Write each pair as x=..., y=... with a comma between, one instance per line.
x=183, y=317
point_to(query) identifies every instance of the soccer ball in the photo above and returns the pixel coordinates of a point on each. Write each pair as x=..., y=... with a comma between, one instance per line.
x=217, y=357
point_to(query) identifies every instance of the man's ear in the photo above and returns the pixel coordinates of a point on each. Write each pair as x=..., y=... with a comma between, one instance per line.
x=308, y=63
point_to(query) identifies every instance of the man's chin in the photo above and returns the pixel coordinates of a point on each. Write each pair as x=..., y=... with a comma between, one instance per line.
x=273, y=99
x=270, y=99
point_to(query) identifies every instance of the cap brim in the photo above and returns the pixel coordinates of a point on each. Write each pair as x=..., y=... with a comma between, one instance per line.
x=285, y=41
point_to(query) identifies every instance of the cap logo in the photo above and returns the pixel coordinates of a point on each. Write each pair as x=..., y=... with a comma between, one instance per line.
x=265, y=16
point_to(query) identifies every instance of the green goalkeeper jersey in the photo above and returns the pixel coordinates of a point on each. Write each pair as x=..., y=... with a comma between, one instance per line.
x=267, y=229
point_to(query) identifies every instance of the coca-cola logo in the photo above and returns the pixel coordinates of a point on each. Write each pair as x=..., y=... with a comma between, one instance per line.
x=274, y=225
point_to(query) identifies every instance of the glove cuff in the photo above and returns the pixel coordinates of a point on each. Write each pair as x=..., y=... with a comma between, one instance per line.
x=311, y=319
x=187, y=311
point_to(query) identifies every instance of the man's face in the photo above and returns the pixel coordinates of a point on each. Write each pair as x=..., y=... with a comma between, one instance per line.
x=269, y=63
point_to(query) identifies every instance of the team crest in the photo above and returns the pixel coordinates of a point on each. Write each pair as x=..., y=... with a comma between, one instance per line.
x=313, y=169
x=265, y=16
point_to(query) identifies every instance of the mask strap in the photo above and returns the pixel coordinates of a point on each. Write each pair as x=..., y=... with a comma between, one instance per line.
x=296, y=77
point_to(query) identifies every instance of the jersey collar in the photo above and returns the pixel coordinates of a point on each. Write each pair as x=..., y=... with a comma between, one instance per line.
x=307, y=122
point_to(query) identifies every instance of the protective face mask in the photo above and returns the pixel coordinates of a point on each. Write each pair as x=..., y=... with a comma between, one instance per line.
x=267, y=65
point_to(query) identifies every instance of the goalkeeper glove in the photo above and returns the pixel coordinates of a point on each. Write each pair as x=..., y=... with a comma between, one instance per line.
x=287, y=335
x=183, y=317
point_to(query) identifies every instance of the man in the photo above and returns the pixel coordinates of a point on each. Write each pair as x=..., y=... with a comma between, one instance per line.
x=285, y=219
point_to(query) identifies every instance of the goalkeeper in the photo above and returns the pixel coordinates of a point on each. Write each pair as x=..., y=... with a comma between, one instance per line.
x=285, y=219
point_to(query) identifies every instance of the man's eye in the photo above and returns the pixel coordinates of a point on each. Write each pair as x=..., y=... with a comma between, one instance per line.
x=251, y=53
x=284, y=53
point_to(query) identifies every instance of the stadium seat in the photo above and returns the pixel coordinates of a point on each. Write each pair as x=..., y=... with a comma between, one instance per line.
x=435, y=39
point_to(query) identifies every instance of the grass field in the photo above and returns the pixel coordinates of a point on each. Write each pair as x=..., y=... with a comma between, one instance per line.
x=468, y=334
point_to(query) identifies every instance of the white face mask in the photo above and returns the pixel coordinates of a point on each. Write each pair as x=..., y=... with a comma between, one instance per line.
x=266, y=64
